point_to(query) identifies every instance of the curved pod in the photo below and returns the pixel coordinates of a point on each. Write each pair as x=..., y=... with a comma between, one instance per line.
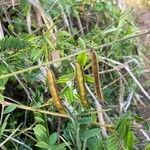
x=81, y=85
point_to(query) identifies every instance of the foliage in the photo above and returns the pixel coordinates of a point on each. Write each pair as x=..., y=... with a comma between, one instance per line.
x=72, y=28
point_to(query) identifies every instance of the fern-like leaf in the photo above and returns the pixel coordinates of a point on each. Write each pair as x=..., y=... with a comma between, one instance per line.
x=12, y=43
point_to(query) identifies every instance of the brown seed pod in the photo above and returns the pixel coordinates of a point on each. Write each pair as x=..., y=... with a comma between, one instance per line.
x=54, y=91
x=81, y=85
x=95, y=71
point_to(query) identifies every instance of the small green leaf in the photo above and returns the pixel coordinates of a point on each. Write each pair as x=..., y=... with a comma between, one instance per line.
x=112, y=142
x=10, y=108
x=65, y=78
x=82, y=58
x=85, y=120
x=53, y=138
x=41, y=127
x=3, y=126
x=147, y=147
x=59, y=147
x=11, y=27
x=40, y=133
x=1, y=97
x=95, y=144
x=39, y=119
x=36, y=53
x=89, y=78
x=24, y=6
x=89, y=133
x=130, y=140
x=68, y=92
x=42, y=144
x=81, y=43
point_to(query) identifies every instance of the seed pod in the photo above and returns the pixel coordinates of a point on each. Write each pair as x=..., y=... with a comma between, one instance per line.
x=95, y=71
x=81, y=85
x=54, y=91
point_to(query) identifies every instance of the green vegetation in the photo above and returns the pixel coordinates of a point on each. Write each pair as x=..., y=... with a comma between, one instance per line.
x=58, y=36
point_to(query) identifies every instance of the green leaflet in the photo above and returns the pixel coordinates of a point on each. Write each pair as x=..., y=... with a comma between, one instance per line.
x=112, y=142
x=12, y=43
x=130, y=140
x=3, y=126
x=82, y=59
x=10, y=108
x=90, y=133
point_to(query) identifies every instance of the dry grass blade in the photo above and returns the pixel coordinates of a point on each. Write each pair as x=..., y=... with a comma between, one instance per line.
x=18, y=142
x=95, y=71
x=99, y=114
x=1, y=31
x=24, y=107
x=39, y=65
x=136, y=81
x=143, y=132
x=121, y=94
x=65, y=18
x=128, y=102
x=47, y=19
x=20, y=82
x=28, y=17
x=118, y=78
x=54, y=91
x=9, y=137
x=9, y=3
x=81, y=85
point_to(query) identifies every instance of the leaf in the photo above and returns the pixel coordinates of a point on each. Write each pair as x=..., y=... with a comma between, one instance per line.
x=3, y=126
x=112, y=142
x=1, y=97
x=53, y=138
x=40, y=134
x=41, y=127
x=39, y=119
x=82, y=58
x=36, y=53
x=11, y=27
x=85, y=120
x=42, y=144
x=88, y=78
x=130, y=140
x=68, y=93
x=59, y=147
x=10, y=108
x=89, y=133
x=110, y=30
x=81, y=43
x=123, y=127
x=95, y=144
x=12, y=43
x=24, y=6
x=65, y=78
x=147, y=147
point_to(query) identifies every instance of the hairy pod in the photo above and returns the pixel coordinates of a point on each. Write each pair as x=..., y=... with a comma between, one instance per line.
x=81, y=85
x=95, y=72
x=54, y=91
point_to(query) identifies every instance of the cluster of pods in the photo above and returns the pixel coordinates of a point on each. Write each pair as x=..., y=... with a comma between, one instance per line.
x=80, y=82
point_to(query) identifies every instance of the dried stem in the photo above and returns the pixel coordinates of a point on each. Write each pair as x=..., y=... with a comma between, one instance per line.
x=100, y=113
